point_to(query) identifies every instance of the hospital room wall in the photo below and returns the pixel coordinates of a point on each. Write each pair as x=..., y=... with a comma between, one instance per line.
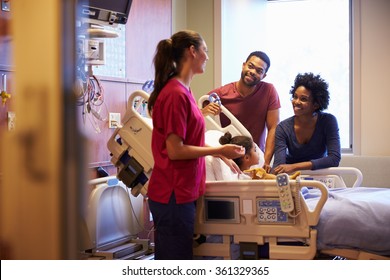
x=375, y=92
x=371, y=129
x=143, y=31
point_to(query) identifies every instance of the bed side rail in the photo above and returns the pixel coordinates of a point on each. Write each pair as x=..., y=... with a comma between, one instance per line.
x=314, y=215
x=129, y=147
x=336, y=171
x=213, y=123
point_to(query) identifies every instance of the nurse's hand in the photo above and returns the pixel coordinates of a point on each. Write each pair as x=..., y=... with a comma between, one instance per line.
x=232, y=151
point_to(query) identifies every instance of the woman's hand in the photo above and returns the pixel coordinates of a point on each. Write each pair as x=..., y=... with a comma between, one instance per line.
x=291, y=168
x=284, y=168
x=211, y=109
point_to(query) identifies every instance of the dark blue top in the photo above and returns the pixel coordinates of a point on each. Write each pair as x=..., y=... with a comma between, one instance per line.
x=323, y=149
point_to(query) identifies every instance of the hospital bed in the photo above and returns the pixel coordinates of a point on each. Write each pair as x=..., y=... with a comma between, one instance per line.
x=114, y=216
x=248, y=212
x=113, y=219
x=333, y=219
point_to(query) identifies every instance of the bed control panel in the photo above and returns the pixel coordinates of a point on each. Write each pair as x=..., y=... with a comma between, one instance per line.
x=330, y=181
x=270, y=212
x=285, y=194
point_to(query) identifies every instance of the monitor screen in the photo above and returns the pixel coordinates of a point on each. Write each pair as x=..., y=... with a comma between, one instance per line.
x=107, y=11
x=222, y=209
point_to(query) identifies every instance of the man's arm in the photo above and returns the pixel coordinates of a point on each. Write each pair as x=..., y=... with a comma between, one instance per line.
x=271, y=123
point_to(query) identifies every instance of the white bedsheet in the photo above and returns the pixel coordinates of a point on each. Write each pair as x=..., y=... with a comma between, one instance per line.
x=354, y=218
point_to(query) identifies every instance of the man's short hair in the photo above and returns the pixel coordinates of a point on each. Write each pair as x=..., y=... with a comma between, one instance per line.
x=263, y=56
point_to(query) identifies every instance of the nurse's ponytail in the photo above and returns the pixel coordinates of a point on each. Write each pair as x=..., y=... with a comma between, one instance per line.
x=168, y=59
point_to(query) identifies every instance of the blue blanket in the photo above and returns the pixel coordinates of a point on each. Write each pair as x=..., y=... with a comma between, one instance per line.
x=353, y=218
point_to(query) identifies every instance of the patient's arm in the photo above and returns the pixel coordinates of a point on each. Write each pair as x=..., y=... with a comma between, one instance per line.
x=232, y=165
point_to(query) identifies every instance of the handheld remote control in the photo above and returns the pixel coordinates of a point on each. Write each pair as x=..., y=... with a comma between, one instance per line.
x=285, y=195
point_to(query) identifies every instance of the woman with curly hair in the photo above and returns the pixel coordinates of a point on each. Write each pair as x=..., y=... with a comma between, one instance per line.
x=310, y=139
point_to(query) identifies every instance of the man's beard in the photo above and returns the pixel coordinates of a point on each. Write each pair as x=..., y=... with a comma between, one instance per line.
x=249, y=84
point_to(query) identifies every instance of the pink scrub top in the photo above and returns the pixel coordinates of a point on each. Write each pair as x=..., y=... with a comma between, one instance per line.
x=176, y=111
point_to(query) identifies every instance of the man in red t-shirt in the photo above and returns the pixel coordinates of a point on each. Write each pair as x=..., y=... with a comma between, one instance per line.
x=253, y=102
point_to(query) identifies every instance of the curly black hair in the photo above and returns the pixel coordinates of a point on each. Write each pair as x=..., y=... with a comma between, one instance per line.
x=317, y=86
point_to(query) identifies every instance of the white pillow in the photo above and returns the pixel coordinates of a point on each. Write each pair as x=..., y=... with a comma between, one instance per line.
x=261, y=156
x=210, y=176
x=212, y=137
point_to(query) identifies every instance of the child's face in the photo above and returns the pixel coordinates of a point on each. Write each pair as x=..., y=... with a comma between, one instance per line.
x=254, y=155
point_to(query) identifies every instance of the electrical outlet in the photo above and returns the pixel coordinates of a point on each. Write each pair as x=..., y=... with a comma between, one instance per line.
x=11, y=120
x=114, y=120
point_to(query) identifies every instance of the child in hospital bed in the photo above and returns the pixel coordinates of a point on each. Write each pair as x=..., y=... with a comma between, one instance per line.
x=252, y=155
x=219, y=169
x=250, y=164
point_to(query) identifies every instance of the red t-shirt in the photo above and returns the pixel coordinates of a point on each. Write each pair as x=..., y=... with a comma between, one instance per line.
x=251, y=110
x=176, y=111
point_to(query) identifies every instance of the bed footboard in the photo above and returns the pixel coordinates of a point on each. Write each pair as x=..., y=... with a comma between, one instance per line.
x=249, y=211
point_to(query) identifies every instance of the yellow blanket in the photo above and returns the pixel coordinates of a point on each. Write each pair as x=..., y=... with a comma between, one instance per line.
x=260, y=174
